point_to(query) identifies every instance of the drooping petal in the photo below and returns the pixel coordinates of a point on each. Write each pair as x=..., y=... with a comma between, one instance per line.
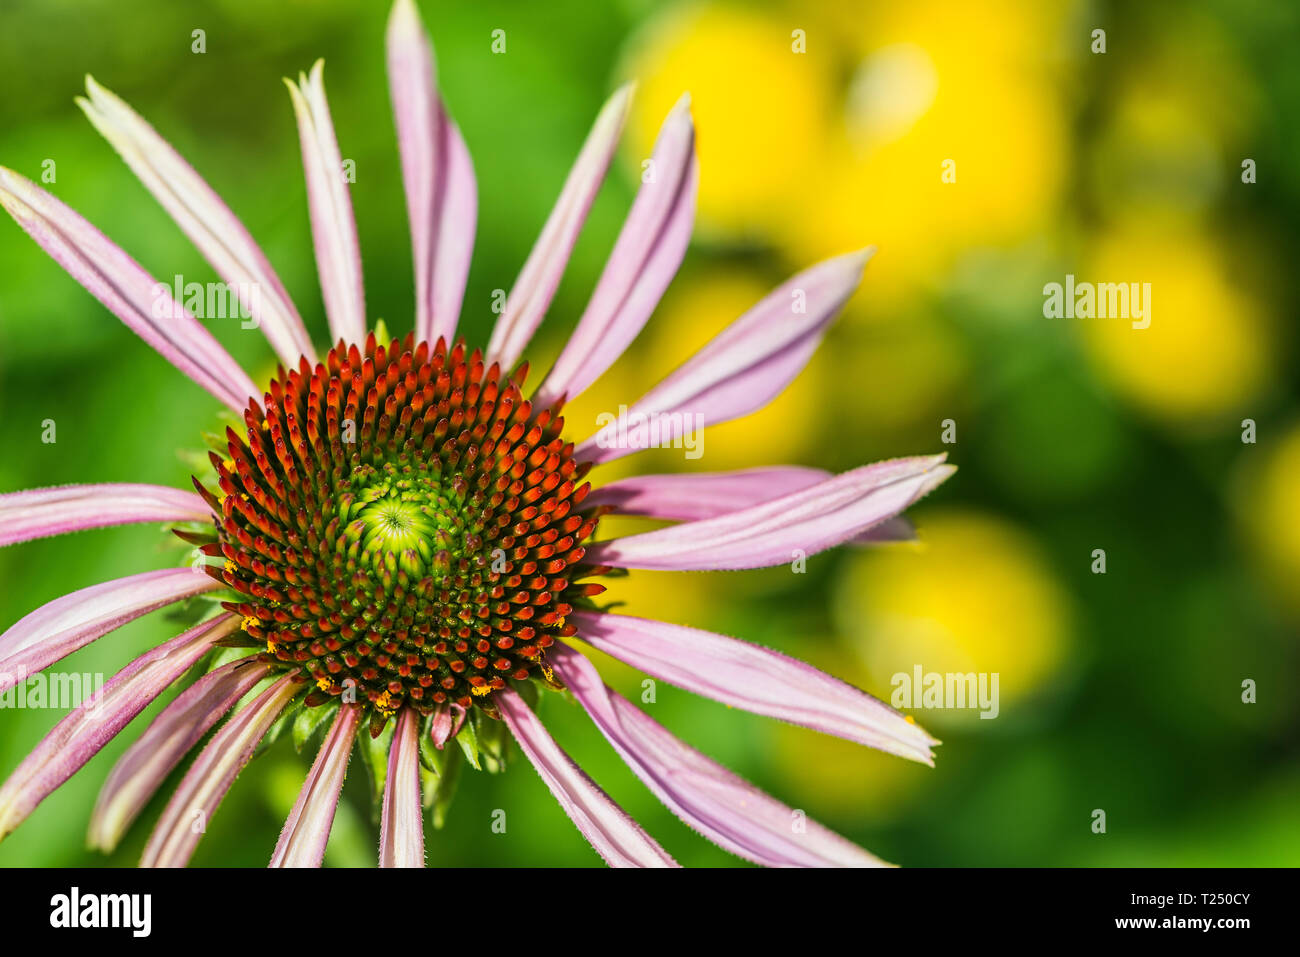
x=447, y=719
x=757, y=679
x=184, y=820
x=615, y=836
x=93, y=723
x=333, y=228
x=307, y=830
x=123, y=286
x=742, y=368
x=179, y=727
x=59, y=628
x=537, y=282
x=41, y=512
x=401, y=833
x=782, y=529
x=206, y=220
x=896, y=529
x=726, y=809
x=646, y=256
x=691, y=496
x=441, y=192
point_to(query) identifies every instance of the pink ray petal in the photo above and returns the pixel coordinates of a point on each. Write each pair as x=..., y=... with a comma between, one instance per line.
x=743, y=367
x=726, y=809
x=41, y=512
x=184, y=820
x=615, y=836
x=123, y=286
x=140, y=772
x=692, y=496
x=217, y=233
x=307, y=830
x=646, y=256
x=777, y=531
x=96, y=721
x=401, y=833
x=537, y=282
x=441, y=193
x=447, y=719
x=757, y=679
x=60, y=627
x=333, y=228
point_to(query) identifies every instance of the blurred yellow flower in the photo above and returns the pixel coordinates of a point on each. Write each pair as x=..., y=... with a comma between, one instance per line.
x=970, y=35
x=1270, y=510
x=975, y=596
x=1002, y=147
x=761, y=109
x=820, y=165
x=1207, y=350
x=952, y=135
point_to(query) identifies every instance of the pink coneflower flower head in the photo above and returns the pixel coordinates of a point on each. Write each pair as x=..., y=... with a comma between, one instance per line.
x=400, y=544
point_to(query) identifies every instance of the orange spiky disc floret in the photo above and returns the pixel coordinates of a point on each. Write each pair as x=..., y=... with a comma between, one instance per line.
x=402, y=518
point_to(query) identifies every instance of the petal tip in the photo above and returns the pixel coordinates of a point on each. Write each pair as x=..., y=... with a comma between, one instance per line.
x=405, y=18
x=621, y=99
x=859, y=258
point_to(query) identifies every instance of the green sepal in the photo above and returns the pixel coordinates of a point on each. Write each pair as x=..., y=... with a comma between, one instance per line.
x=467, y=738
x=492, y=736
x=429, y=781
x=439, y=790
x=197, y=461
x=193, y=534
x=529, y=691
x=228, y=416
x=190, y=611
x=224, y=655
x=286, y=720
x=238, y=639
x=374, y=754
x=382, y=336
x=217, y=442
x=309, y=720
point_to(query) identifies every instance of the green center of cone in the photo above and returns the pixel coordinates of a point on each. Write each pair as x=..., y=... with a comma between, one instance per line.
x=400, y=519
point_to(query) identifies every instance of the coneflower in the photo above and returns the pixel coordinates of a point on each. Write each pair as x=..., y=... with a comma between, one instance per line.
x=399, y=534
